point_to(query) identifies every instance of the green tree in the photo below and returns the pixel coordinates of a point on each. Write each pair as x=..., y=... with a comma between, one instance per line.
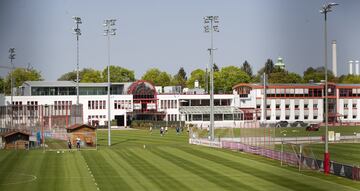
x=2, y=85
x=215, y=68
x=180, y=78
x=247, y=68
x=119, y=74
x=349, y=79
x=21, y=75
x=317, y=75
x=69, y=76
x=269, y=66
x=283, y=76
x=199, y=75
x=157, y=77
x=91, y=75
x=229, y=76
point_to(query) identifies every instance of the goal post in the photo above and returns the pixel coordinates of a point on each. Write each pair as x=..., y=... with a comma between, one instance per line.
x=299, y=155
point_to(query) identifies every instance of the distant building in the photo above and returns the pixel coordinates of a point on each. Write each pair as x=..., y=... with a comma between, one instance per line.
x=280, y=63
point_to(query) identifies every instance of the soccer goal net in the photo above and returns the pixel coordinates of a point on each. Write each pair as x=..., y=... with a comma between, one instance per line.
x=299, y=155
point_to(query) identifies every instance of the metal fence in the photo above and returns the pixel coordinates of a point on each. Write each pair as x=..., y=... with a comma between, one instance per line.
x=343, y=170
x=33, y=117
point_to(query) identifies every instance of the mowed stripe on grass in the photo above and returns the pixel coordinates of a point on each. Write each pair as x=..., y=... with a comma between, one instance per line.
x=169, y=163
x=36, y=170
x=165, y=163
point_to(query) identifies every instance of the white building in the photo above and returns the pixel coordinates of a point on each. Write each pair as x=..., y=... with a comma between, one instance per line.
x=140, y=100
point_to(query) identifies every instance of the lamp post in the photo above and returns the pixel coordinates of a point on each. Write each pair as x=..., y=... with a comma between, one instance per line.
x=77, y=32
x=327, y=7
x=211, y=26
x=109, y=30
x=11, y=57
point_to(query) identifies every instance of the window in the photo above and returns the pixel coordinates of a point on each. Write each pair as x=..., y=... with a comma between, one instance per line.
x=287, y=117
x=267, y=117
x=258, y=118
x=258, y=106
x=354, y=116
x=354, y=105
x=345, y=106
x=277, y=106
x=296, y=106
x=296, y=117
x=306, y=106
x=315, y=106
x=315, y=117
x=277, y=117
x=345, y=116
x=267, y=106
x=306, y=117
x=287, y=106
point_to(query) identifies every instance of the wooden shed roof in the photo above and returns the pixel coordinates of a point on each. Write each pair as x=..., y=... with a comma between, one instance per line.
x=77, y=126
x=9, y=133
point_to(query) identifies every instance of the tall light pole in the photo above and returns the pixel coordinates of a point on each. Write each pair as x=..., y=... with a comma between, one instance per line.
x=77, y=32
x=327, y=7
x=211, y=26
x=108, y=31
x=11, y=57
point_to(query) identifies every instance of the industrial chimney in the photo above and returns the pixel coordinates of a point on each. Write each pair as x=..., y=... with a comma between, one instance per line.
x=357, y=67
x=334, y=58
x=350, y=67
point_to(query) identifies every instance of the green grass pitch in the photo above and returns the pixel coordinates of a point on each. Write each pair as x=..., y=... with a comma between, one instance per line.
x=166, y=163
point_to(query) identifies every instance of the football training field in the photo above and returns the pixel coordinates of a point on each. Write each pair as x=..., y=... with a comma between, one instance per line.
x=164, y=163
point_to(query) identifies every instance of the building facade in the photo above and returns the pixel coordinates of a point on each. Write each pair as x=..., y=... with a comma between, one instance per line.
x=141, y=100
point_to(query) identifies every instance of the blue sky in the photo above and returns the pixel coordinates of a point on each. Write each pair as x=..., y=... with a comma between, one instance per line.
x=169, y=34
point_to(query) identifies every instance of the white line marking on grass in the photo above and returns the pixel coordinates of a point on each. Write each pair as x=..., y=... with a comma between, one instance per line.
x=32, y=179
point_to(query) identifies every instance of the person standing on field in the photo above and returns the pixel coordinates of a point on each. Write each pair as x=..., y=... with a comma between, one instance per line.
x=78, y=143
x=69, y=144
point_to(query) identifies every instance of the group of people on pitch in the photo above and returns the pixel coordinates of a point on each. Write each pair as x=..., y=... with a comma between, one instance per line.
x=164, y=131
x=78, y=143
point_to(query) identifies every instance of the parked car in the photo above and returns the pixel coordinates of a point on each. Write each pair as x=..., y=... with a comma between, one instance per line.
x=282, y=124
x=313, y=127
x=299, y=124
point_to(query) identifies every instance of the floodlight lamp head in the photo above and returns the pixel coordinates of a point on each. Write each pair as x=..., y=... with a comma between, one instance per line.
x=206, y=29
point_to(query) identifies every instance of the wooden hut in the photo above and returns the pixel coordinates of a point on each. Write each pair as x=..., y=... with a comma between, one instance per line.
x=14, y=140
x=86, y=133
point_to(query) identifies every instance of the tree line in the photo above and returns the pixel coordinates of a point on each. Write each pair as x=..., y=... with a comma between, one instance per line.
x=224, y=78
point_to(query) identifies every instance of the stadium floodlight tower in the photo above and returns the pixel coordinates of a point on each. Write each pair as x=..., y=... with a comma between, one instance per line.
x=77, y=32
x=11, y=57
x=108, y=31
x=327, y=7
x=211, y=26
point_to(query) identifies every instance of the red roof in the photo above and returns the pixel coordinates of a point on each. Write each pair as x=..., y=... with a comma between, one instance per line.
x=9, y=133
x=76, y=126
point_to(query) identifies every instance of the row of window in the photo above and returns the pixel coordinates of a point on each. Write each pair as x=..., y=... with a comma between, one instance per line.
x=122, y=104
x=346, y=106
x=96, y=117
x=287, y=117
x=168, y=104
x=287, y=106
x=62, y=105
x=96, y=104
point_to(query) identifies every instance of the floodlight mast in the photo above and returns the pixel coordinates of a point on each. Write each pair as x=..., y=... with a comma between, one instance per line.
x=77, y=32
x=108, y=31
x=211, y=26
x=327, y=7
x=11, y=57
